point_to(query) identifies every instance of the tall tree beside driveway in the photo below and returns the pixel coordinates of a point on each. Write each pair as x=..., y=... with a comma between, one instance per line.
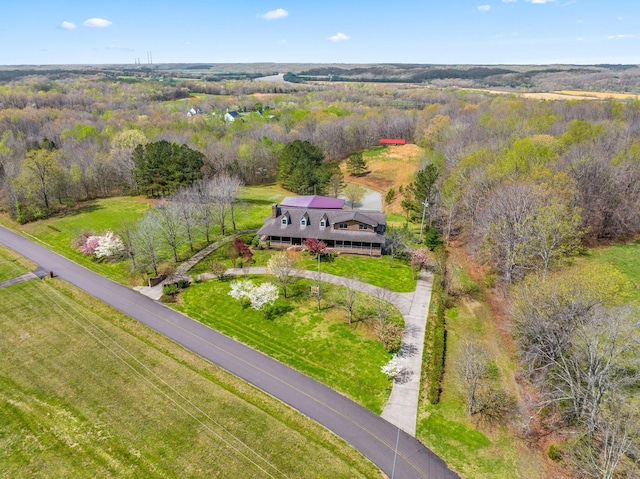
x=302, y=169
x=160, y=168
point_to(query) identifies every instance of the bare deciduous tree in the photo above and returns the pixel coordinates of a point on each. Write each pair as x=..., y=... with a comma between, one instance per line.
x=470, y=369
x=283, y=265
x=347, y=297
x=170, y=227
x=147, y=240
x=185, y=201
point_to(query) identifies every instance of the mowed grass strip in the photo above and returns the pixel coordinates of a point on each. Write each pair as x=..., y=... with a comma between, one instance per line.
x=345, y=357
x=88, y=392
x=12, y=265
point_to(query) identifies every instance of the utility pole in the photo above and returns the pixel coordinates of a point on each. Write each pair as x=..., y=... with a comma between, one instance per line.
x=318, y=281
x=425, y=205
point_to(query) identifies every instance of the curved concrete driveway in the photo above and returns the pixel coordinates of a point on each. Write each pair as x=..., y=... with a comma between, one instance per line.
x=373, y=436
x=402, y=406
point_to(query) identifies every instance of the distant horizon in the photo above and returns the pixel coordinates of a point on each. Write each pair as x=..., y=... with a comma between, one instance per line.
x=150, y=65
x=464, y=32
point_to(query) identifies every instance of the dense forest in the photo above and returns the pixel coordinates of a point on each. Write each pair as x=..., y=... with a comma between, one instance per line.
x=523, y=184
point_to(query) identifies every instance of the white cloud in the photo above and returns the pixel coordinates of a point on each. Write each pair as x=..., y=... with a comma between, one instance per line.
x=121, y=48
x=620, y=18
x=339, y=37
x=484, y=8
x=509, y=1
x=67, y=25
x=541, y=2
x=97, y=23
x=275, y=14
x=620, y=36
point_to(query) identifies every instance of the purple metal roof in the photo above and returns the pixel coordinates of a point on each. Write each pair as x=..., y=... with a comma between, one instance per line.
x=317, y=202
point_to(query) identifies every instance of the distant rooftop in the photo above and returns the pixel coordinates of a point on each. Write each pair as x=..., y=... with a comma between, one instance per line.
x=320, y=202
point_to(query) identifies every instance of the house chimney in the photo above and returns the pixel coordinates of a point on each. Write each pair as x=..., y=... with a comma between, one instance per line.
x=274, y=210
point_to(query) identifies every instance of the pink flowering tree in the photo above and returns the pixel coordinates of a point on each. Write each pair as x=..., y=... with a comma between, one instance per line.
x=422, y=258
x=107, y=246
x=315, y=246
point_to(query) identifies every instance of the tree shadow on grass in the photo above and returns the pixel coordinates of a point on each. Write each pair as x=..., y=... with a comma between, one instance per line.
x=79, y=210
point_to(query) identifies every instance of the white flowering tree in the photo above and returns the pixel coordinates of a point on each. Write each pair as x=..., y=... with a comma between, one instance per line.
x=260, y=296
x=393, y=367
x=109, y=246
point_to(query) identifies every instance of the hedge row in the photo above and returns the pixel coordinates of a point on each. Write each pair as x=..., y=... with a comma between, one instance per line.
x=438, y=339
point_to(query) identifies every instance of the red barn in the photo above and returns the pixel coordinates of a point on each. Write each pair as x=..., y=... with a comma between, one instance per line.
x=392, y=141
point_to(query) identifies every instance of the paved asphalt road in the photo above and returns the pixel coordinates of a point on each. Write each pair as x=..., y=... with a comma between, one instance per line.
x=371, y=435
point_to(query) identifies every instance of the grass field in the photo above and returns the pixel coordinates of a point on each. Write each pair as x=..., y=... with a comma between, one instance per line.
x=625, y=258
x=344, y=357
x=391, y=167
x=59, y=232
x=88, y=392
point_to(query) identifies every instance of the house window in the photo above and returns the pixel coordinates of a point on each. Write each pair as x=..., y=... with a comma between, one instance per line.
x=343, y=226
x=303, y=222
x=285, y=221
x=362, y=227
x=323, y=223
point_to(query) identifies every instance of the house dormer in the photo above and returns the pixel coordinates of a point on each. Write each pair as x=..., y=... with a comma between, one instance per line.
x=304, y=221
x=324, y=221
x=286, y=219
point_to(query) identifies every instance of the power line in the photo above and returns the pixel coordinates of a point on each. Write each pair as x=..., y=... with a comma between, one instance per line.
x=155, y=386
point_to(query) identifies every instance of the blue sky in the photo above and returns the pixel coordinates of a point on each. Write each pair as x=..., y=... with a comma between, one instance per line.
x=368, y=31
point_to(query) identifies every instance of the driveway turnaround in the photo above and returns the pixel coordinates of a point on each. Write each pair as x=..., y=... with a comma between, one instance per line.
x=395, y=452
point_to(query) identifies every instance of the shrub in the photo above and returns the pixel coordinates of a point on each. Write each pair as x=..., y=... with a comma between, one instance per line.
x=218, y=268
x=391, y=337
x=391, y=194
x=432, y=238
x=554, y=452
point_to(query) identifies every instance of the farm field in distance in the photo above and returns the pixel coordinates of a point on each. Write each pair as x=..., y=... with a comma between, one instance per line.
x=88, y=392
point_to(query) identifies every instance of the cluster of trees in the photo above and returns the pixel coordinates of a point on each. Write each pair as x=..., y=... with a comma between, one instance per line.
x=191, y=213
x=580, y=345
x=302, y=169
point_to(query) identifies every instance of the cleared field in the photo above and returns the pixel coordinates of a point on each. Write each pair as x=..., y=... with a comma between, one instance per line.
x=88, y=392
x=562, y=94
x=390, y=167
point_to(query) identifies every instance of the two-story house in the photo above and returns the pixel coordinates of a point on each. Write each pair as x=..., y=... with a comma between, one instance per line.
x=344, y=231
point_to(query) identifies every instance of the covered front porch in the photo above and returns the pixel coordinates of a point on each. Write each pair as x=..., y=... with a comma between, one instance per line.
x=338, y=246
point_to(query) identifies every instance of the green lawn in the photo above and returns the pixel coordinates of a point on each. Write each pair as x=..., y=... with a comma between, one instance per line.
x=344, y=357
x=86, y=392
x=59, y=232
x=394, y=276
x=254, y=204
